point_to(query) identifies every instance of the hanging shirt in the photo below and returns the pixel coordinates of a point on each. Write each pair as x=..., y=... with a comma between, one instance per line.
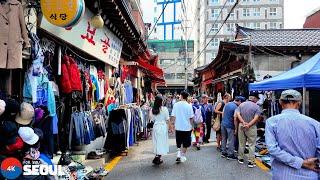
x=129, y=92
x=101, y=88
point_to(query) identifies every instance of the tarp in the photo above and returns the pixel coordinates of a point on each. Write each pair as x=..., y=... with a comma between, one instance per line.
x=305, y=75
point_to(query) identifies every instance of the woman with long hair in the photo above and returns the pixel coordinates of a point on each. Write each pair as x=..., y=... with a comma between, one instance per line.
x=160, y=137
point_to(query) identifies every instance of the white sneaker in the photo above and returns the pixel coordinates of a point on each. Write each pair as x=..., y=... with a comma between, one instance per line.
x=183, y=159
x=178, y=153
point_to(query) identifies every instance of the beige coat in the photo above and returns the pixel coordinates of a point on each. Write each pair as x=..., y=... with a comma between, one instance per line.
x=13, y=34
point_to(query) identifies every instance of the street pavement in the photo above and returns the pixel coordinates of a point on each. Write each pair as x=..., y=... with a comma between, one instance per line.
x=204, y=164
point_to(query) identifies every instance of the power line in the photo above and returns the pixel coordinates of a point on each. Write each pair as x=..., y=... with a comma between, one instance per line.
x=155, y=24
x=233, y=7
x=221, y=9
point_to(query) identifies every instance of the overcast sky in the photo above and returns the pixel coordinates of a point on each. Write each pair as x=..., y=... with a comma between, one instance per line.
x=296, y=11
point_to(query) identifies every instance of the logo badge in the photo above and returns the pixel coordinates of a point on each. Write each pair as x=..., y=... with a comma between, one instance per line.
x=11, y=168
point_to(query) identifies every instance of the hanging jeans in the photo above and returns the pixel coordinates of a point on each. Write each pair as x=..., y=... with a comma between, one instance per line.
x=76, y=129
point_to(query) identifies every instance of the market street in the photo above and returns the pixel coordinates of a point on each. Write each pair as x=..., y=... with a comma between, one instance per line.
x=204, y=164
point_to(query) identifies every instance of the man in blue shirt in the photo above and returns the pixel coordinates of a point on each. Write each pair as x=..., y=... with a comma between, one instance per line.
x=228, y=128
x=207, y=111
x=293, y=141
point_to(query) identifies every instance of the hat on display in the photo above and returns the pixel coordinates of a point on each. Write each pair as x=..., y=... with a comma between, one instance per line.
x=8, y=132
x=2, y=106
x=28, y=135
x=291, y=95
x=26, y=114
x=12, y=106
x=38, y=114
x=38, y=132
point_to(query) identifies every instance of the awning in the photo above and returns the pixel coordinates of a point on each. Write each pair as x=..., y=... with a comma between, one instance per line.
x=154, y=72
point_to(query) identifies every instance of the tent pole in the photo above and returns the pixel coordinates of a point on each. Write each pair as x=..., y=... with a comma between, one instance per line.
x=304, y=101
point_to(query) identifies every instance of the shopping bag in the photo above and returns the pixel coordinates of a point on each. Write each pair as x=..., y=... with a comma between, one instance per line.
x=216, y=124
x=193, y=137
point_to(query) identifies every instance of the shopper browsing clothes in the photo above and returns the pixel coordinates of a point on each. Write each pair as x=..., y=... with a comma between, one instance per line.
x=293, y=141
x=182, y=115
x=228, y=128
x=160, y=117
x=248, y=115
x=218, y=116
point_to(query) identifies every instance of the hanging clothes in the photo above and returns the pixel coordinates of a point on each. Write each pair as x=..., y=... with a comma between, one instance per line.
x=129, y=92
x=13, y=36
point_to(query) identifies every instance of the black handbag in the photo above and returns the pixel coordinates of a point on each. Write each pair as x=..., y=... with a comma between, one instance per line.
x=150, y=125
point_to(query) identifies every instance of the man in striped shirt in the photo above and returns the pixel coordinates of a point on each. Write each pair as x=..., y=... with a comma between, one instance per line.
x=293, y=141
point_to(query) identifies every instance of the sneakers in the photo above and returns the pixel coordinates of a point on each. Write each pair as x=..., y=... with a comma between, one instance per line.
x=178, y=153
x=240, y=161
x=251, y=165
x=198, y=147
x=232, y=157
x=183, y=159
x=224, y=155
x=178, y=160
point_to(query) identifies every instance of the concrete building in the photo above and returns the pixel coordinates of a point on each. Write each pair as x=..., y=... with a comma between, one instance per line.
x=255, y=14
x=172, y=61
x=169, y=37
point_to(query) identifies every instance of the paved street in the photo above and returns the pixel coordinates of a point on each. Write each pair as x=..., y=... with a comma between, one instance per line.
x=203, y=164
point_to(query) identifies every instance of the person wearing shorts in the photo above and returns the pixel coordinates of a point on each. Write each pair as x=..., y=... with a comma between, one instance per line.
x=182, y=115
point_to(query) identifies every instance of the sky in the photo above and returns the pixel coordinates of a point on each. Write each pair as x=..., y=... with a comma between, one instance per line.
x=296, y=11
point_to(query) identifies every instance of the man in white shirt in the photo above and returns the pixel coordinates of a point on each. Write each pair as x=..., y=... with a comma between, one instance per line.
x=182, y=114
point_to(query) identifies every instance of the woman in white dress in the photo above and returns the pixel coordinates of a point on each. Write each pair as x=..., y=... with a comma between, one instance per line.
x=160, y=137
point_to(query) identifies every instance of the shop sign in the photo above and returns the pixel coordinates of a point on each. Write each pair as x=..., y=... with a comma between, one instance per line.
x=63, y=13
x=100, y=43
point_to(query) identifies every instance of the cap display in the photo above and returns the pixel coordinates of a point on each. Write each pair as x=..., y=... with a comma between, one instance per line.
x=26, y=114
x=8, y=132
x=2, y=107
x=291, y=95
x=28, y=135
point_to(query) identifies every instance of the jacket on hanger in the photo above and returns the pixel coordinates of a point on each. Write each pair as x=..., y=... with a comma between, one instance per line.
x=13, y=34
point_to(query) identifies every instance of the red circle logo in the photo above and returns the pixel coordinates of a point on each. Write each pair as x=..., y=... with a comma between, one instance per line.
x=11, y=168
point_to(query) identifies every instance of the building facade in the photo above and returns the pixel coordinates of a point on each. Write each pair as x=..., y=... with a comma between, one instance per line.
x=313, y=19
x=255, y=14
x=172, y=61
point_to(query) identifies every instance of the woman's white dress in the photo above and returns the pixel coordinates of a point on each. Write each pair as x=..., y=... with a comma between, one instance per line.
x=160, y=137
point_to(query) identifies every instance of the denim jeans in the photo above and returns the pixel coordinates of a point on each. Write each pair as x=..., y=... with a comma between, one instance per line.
x=76, y=125
x=227, y=140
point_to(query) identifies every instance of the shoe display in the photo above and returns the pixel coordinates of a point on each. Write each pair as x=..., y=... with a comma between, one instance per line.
x=251, y=165
x=224, y=155
x=232, y=157
x=240, y=161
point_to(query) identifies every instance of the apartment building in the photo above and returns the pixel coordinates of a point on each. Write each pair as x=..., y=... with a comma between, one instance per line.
x=255, y=14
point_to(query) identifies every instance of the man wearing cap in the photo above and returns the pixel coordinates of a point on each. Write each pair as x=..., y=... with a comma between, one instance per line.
x=248, y=115
x=293, y=141
x=228, y=128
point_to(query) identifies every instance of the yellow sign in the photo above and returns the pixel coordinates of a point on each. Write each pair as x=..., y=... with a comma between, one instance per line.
x=63, y=13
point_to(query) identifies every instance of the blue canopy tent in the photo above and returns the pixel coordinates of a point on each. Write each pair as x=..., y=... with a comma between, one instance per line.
x=306, y=75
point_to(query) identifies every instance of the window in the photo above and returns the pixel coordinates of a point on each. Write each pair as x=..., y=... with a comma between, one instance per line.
x=256, y=0
x=280, y=26
x=181, y=61
x=215, y=28
x=155, y=9
x=246, y=12
x=166, y=61
x=231, y=1
x=273, y=0
x=273, y=12
x=180, y=75
x=256, y=12
x=190, y=75
x=245, y=0
x=256, y=25
x=215, y=42
x=231, y=14
x=154, y=19
x=189, y=60
x=169, y=75
x=230, y=27
x=273, y=25
x=247, y=25
x=214, y=13
x=214, y=1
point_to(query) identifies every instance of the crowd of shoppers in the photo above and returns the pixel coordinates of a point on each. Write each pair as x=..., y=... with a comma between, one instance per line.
x=293, y=139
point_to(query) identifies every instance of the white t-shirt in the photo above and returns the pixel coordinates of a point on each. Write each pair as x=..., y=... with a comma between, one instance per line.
x=182, y=111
